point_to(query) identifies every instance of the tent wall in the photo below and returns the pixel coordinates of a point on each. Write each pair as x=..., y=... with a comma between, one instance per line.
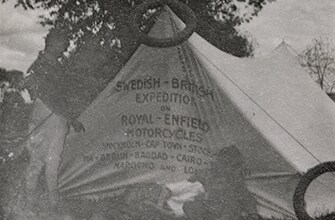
x=268, y=108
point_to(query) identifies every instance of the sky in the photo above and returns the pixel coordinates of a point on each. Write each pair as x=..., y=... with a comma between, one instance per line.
x=295, y=21
x=21, y=37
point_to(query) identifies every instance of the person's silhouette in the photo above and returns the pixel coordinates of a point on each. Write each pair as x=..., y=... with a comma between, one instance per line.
x=226, y=195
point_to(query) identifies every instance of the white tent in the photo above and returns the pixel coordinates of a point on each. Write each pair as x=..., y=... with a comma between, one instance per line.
x=169, y=111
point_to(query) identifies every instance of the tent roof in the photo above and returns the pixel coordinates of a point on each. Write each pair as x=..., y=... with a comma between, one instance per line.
x=279, y=99
x=287, y=108
x=268, y=107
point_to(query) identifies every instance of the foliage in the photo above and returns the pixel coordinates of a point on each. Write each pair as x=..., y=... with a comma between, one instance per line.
x=15, y=109
x=319, y=60
x=13, y=104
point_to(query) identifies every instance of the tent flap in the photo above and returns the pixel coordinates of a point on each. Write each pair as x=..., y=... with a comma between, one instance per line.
x=169, y=112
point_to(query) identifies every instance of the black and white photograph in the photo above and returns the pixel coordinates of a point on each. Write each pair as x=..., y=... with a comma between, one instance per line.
x=167, y=109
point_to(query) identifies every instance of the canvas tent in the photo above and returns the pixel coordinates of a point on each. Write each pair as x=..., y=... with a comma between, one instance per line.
x=170, y=110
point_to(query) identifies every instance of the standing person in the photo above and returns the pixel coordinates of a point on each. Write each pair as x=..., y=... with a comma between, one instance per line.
x=226, y=195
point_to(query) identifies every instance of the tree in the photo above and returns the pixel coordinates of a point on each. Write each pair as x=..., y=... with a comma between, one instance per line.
x=319, y=61
x=15, y=110
x=90, y=41
x=14, y=105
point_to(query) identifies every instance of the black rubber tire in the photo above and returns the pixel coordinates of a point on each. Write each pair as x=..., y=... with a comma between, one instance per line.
x=188, y=14
x=300, y=191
